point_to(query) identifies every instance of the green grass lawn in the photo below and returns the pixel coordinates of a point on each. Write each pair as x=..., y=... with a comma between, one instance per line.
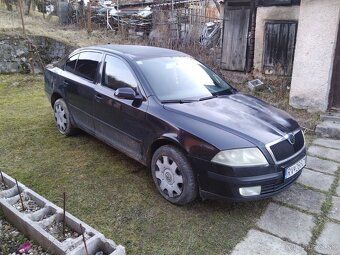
x=105, y=188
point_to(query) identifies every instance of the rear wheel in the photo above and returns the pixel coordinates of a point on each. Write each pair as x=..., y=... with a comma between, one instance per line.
x=62, y=118
x=173, y=175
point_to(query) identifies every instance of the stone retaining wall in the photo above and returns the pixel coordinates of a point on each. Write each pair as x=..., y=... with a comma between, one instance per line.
x=16, y=52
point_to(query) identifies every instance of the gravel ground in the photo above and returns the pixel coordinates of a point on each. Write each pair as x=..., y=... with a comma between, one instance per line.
x=56, y=230
x=2, y=186
x=30, y=205
x=11, y=239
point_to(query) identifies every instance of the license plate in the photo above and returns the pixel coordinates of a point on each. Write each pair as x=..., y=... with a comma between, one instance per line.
x=290, y=171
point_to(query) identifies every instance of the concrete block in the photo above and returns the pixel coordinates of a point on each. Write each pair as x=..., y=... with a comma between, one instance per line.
x=302, y=198
x=325, y=153
x=328, y=129
x=321, y=165
x=99, y=244
x=256, y=85
x=35, y=224
x=9, y=192
x=330, y=143
x=287, y=223
x=335, y=211
x=316, y=180
x=40, y=214
x=257, y=242
x=328, y=242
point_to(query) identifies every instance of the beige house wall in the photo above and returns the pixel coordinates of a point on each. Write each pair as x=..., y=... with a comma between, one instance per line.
x=264, y=14
x=314, y=54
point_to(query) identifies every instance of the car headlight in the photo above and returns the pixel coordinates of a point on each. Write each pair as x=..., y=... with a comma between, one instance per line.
x=241, y=157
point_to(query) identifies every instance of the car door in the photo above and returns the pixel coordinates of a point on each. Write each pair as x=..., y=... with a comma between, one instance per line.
x=80, y=74
x=120, y=122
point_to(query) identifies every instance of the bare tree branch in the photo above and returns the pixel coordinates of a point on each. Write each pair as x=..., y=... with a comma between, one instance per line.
x=217, y=5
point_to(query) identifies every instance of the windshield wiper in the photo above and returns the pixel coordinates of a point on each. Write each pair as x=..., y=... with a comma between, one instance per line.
x=178, y=101
x=206, y=98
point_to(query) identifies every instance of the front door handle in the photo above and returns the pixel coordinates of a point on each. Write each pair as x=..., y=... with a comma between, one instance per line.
x=98, y=97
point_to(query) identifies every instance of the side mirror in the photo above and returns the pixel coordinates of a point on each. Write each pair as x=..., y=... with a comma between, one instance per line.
x=127, y=93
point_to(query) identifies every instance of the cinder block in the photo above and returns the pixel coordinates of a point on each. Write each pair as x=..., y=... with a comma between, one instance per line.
x=34, y=225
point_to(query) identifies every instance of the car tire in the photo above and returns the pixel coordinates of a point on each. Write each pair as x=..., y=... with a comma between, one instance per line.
x=62, y=118
x=173, y=175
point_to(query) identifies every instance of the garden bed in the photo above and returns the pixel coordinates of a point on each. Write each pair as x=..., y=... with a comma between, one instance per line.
x=47, y=224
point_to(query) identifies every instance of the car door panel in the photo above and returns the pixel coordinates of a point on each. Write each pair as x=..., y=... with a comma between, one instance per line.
x=79, y=96
x=112, y=120
x=78, y=82
x=118, y=121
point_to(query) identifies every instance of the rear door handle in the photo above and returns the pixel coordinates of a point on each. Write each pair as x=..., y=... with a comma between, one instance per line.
x=66, y=83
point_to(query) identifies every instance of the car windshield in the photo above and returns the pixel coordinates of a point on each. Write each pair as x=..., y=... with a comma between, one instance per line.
x=182, y=79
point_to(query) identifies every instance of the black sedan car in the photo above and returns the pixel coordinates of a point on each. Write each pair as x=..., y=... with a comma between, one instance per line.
x=163, y=108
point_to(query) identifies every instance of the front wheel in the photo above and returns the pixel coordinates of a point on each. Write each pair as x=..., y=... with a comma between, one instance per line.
x=62, y=118
x=173, y=175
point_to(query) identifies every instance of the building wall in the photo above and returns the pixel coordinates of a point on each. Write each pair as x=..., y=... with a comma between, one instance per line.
x=314, y=54
x=265, y=14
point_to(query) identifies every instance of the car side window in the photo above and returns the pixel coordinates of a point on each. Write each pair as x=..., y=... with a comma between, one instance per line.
x=87, y=65
x=116, y=74
x=71, y=63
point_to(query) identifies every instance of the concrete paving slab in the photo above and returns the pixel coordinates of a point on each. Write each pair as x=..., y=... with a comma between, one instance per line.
x=328, y=242
x=330, y=143
x=325, y=153
x=328, y=129
x=316, y=180
x=257, y=242
x=335, y=211
x=302, y=198
x=287, y=223
x=330, y=116
x=325, y=166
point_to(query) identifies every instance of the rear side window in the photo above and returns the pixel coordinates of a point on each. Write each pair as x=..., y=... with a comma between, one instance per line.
x=71, y=63
x=87, y=65
x=117, y=74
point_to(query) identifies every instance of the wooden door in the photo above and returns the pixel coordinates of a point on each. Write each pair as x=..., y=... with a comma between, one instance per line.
x=235, y=39
x=335, y=89
x=279, y=47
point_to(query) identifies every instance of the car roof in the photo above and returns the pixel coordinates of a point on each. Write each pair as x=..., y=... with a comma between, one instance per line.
x=137, y=52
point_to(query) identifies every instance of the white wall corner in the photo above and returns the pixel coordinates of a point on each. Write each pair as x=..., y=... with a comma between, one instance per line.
x=314, y=54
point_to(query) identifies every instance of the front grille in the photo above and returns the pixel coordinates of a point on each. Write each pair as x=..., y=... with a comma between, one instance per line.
x=270, y=188
x=284, y=149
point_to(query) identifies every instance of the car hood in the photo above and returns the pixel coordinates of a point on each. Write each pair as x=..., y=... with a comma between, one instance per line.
x=242, y=115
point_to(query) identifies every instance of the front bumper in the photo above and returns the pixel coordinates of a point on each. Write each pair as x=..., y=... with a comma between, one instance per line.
x=223, y=183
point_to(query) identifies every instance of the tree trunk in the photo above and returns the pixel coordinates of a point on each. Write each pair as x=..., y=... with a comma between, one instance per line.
x=8, y=5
